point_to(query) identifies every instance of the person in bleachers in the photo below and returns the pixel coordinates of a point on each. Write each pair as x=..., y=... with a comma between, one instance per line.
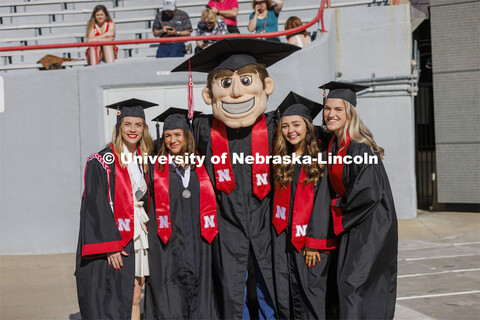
x=228, y=10
x=301, y=38
x=171, y=22
x=209, y=24
x=264, y=18
x=100, y=27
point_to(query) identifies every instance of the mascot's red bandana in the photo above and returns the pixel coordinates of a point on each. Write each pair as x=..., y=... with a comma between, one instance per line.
x=224, y=178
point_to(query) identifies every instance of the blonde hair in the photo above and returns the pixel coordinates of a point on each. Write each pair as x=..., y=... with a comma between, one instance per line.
x=209, y=15
x=358, y=131
x=92, y=20
x=189, y=148
x=146, y=142
x=283, y=173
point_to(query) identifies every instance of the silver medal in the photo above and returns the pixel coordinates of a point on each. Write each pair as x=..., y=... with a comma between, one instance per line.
x=186, y=194
x=138, y=194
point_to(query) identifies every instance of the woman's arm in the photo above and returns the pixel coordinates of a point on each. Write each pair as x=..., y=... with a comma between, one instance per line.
x=107, y=36
x=278, y=7
x=252, y=24
x=231, y=14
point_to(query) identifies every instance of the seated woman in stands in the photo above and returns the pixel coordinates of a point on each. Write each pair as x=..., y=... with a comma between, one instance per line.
x=301, y=38
x=209, y=24
x=264, y=18
x=100, y=27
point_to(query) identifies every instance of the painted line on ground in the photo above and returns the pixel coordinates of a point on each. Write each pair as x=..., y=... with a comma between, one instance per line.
x=440, y=246
x=438, y=295
x=434, y=273
x=440, y=257
x=465, y=243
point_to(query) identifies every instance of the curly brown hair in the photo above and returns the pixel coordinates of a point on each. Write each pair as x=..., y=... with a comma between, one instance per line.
x=294, y=22
x=283, y=173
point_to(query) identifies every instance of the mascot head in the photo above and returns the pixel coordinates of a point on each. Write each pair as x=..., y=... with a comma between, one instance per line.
x=238, y=84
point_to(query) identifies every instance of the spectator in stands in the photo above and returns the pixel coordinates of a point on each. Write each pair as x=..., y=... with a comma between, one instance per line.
x=228, y=10
x=209, y=24
x=301, y=38
x=100, y=27
x=171, y=22
x=264, y=18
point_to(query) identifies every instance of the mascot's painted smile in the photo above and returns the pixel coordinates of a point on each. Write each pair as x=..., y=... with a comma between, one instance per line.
x=238, y=108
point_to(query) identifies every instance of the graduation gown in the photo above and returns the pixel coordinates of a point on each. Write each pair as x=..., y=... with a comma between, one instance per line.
x=299, y=290
x=367, y=226
x=180, y=283
x=243, y=220
x=103, y=292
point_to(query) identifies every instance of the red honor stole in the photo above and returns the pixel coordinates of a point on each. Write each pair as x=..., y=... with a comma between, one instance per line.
x=336, y=179
x=123, y=204
x=208, y=204
x=302, y=209
x=224, y=178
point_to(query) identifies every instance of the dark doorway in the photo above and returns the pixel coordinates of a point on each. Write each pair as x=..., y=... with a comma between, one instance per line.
x=425, y=159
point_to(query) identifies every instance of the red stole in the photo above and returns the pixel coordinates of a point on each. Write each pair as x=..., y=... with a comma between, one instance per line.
x=208, y=204
x=123, y=204
x=302, y=209
x=335, y=175
x=224, y=178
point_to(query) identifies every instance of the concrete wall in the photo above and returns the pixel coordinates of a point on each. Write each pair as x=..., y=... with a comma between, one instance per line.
x=455, y=29
x=54, y=119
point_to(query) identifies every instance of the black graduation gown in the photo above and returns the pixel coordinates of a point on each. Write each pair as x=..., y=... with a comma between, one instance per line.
x=367, y=254
x=243, y=221
x=180, y=283
x=299, y=290
x=103, y=292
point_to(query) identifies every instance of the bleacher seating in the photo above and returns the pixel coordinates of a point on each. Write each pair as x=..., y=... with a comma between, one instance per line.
x=63, y=21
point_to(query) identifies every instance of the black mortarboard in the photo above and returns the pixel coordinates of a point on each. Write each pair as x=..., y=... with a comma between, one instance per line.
x=131, y=108
x=297, y=105
x=235, y=53
x=175, y=118
x=345, y=91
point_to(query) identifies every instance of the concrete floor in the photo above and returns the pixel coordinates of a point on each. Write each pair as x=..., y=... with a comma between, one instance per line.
x=439, y=274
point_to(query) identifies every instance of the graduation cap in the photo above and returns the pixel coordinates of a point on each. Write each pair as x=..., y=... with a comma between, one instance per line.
x=131, y=108
x=174, y=118
x=235, y=53
x=345, y=91
x=297, y=105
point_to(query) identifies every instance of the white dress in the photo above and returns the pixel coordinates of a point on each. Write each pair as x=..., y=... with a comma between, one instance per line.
x=140, y=235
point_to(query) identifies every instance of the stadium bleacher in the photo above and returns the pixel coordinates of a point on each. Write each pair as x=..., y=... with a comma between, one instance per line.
x=64, y=21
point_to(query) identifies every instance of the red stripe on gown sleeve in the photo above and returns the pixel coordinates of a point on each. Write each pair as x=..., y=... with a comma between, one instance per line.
x=321, y=244
x=102, y=247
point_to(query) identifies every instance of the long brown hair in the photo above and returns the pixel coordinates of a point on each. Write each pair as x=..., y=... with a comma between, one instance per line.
x=146, y=142
x=358, y=131
x=188, y=148
x=283, y=173
x=92, y=20
x=294, y=22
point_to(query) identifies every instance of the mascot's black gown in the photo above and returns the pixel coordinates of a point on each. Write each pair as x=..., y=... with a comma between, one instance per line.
x=243, y=221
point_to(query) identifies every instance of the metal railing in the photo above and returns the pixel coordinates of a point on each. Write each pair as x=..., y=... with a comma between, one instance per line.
x=318, y=17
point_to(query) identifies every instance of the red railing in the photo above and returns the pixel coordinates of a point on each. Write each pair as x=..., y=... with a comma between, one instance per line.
x=176, y=39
